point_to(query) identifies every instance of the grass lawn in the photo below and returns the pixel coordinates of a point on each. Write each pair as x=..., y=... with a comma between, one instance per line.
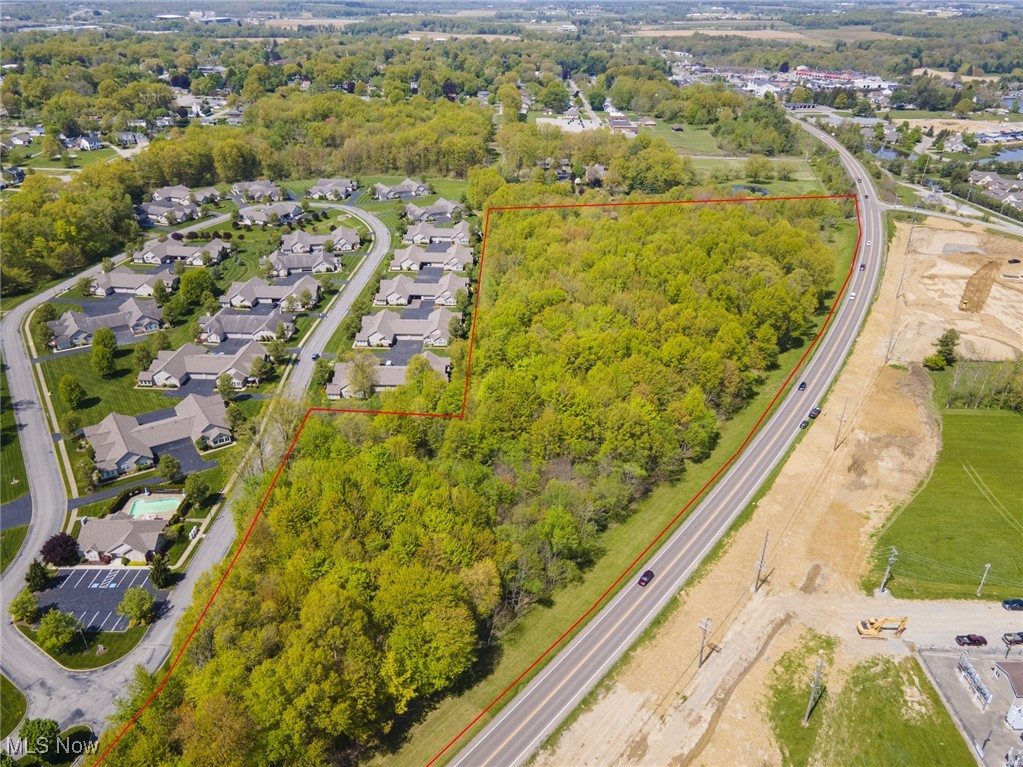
x=12, y=706
x=10, y=541
x=968, y=514
x=13, y=481
x=540, y=627
x=692, y=140
x=178, y=547
x=75, y=741
x=103, y=395
x=117, y=644
x=886, y=712
x=79, y=159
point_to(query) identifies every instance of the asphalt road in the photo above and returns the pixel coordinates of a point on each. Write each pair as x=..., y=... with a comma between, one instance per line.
x=88, y=697
x=523, y=725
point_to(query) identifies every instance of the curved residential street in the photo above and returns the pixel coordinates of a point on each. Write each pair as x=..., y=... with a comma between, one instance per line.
x=87, y=698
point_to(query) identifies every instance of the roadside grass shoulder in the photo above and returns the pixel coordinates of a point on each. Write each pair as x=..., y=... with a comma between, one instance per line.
x=10, y=542
x=12, y=706
x=965, y=516
x=117, y=644
x=13, y=479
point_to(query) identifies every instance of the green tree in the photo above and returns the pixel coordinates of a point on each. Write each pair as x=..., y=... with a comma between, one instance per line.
x=70, y=391
x=160, y=293
x=278, y=351
x=84, y=286
x=70, y=423
x=934, y=362
x=260, y=370
x=194, y=284
x=138, y=605
x=104, y=345
x=964, y=106
x=225, y=387
x=362, y=374
x=197, y=488
x=56, y=630
x=235, y=417
x=38, y=577
x=40, y=734
x=555, y=97
x=25, y=607
x=169, y=468
x=946, y=345
x=758, y=168
x=174, y=310
x=142, y=356
x=160, y=573
x=511, y=102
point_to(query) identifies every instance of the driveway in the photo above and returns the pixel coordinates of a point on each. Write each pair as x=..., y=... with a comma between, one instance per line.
x=187, y=454
x=92, y=594
x=203, y=387
x=418, y=310
x=402, y=352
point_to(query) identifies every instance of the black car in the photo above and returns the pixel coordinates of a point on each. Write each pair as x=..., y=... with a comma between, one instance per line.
x=315, y=357
x=971, y=640
x=815, y=412
x=863, y=267
x=803, y=424
x=802, y=386
x=1013, y=604
x=646, y=577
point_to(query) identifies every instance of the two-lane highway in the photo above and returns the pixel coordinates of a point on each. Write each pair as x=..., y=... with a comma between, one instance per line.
x=521, y=727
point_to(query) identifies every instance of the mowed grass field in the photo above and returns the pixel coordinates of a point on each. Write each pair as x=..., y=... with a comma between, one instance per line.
x=13, y=481
x=969, y=513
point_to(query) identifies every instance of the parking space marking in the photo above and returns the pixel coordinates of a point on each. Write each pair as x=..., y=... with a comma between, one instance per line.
x=84, y=573
x=104, y=623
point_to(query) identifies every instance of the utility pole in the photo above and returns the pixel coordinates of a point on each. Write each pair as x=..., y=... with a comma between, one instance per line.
x=983, y=578
x=816, y=690
x=760, y=564
x=705, y=629
x=841, y=421
x=888, y=570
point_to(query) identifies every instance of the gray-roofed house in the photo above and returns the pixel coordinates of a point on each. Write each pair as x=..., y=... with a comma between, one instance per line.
x=332, y=189
x=178, y=194
x=385, y=328
x=176, y=367
x=405, y=190
x=455, y=258
x=386, y=377
x=282, y=212
x=402, y=290
x=168, y=212
x=76, y=329
x=283, y=264
x=441, y=209
x=256, y=290
x=426, y=233
x=257, y=190
x=121, y=280
x=233, y=324
x=121, y=536
x=122, y=444
x=170, y=250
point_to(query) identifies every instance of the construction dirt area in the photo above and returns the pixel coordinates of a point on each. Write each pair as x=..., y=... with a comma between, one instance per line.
x=842, y=480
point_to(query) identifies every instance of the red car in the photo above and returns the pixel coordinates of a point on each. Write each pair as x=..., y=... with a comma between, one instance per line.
x=971, y=640
x=646, y=577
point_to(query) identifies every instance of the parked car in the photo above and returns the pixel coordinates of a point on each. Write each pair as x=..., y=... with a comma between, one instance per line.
x=1013, y=604
x=802, y=386
x=1013, y=638
x=971, y=640
x=803, y=424
x=315, y=356
x=646, y=577
x=815, y=412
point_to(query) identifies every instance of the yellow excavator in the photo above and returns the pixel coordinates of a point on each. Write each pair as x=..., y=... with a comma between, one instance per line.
x=872, y=627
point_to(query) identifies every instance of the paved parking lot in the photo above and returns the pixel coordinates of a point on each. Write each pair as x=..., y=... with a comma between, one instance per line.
x=92, y=594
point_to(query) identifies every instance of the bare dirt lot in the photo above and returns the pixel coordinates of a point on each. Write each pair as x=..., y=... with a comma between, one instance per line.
x=818, y=517
x=959, y=126
x=810, y=36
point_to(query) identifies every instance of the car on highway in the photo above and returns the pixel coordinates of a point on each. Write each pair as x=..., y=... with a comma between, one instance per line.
x=646, y=577
x=814, y=412
x=315, y=356
x=863, y=267
x=971, y=640
x=803, y=424
x=802, y=386
x=868, y=243
x=1013, y=604
x=852, y=296
x=1013, y=638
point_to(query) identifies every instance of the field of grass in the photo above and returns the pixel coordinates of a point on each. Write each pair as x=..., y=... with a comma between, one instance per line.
x=13, y=481
x=692, y=140
x=969, y=513
x=79, y=160
x=76, y=657
x=886, y=712
x=102, y=395
x=540, y=627
x=12, y=706
x=10, y=541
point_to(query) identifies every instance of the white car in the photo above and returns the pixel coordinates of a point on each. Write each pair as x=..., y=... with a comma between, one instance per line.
x=852, y=296
x=868, y=243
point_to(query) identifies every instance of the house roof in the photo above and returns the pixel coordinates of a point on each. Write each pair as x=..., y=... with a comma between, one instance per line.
x=390, y=324
x=327, y=185
x=256, y=289
x=405, y=286
x=260, y=188
x=120, y=530
x=263, y=212
x=304, y=240
x=179, y=191
x=1013, y=669
x=244, y=323
x=430, y=231
x=300, y=261
x=387, y=376
x=455, y=253
x=126, y=279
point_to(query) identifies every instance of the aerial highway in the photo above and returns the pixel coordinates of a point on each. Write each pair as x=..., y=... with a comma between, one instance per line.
x=512, y=736
x=87, y=697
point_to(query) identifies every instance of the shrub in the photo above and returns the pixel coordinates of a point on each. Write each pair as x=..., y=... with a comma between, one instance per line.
x=59, y=550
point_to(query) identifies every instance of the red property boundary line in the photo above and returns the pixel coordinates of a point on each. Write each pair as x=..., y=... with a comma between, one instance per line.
x=461, y=415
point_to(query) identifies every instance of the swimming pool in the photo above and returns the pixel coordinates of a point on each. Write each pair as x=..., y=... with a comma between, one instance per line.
x=146, y=506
